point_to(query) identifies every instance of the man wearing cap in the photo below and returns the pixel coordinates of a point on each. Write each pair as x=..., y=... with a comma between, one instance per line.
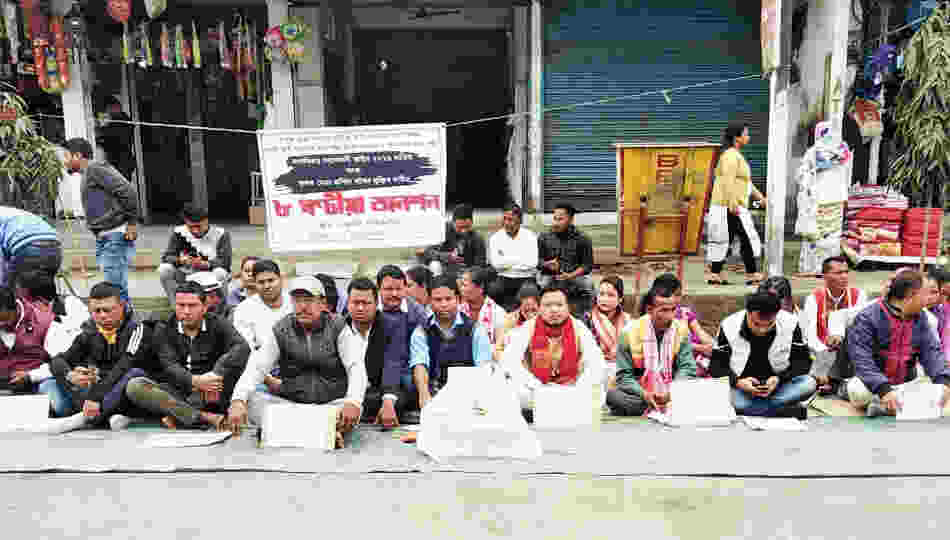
x=199, y=359
x=307, y=347
x=194, y=247
x=214, y=290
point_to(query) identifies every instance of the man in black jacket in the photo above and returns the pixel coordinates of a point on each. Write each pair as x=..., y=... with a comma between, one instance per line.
x=462, y=248
x=113, y=348
x=567, y=256
x=195, y=246
x=199, y=359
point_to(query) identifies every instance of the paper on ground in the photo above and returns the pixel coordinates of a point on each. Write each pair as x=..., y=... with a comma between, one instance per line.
x=566, y=407
x=298, y=425
x=701, y=402
x=920, y=401
x=759, y=423
x=185, y=440
x=24, y=413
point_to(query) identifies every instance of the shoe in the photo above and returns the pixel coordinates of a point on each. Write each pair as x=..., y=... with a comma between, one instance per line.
x=119, y=422
x=792, y=411
x=409, y=417
x=58, y=426
x=875, y=408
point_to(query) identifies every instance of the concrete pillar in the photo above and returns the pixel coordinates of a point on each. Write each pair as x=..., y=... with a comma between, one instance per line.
x=310, y=95
x=79, y=119
x=838, y=83
x=536, y=162
x=521, y=75
x=196, y=138
x=283, y=110
x=778, y=146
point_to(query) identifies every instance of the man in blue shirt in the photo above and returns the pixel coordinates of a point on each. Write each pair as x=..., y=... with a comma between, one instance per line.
x=27, y=242
x=447, y=339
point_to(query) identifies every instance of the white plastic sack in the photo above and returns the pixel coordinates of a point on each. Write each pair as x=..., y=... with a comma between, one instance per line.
x=62, y=333
x=476, y=415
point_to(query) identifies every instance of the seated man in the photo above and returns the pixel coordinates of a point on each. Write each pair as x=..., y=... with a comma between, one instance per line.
x=567, y=257
x=255, y=316
x=762, y=351
x=393, y=297
x=462, y=247
x=651, y=352
x=513, y=251
x=27, y=242
x=245, y=286
x=23, y=359
x=884, y=345
x=113, y=347
x=448, y=339
x=214, y=289
x=199, y=359
x=418, y=279
x=552, y=348
x=478, y=306
x=308, y=347
x=834, y=295
x=193, y=247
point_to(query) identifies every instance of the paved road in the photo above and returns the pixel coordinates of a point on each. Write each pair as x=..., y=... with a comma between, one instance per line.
x=269, y=506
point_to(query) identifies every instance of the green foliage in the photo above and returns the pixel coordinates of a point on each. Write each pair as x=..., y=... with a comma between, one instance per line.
x=28, y=159
x=922, y=110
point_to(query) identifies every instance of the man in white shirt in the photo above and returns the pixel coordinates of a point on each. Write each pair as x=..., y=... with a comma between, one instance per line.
x=513, y=252
x=255, y=316
x=823, y=336
x=319, y=363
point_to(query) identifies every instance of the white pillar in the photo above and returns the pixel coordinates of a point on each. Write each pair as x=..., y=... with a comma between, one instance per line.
x=777, y=180
x=284, y=116
x=521, y=76
x=875, y=153
x=536, y=162
x=840, y=24
x=310, y=95
x=79, y=120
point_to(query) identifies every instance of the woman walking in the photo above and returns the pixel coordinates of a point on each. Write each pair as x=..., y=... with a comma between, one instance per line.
x=728, y=208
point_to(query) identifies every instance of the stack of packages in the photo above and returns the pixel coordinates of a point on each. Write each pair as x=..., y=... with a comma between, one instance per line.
x=874, y=218
x=915, y=220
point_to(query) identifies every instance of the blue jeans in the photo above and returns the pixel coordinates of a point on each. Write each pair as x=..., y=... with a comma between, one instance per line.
x=788, y=393
x=113, y=255
x=59, y=401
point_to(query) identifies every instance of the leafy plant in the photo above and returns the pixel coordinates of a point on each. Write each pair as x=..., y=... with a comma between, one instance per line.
x=922, y=111
x=29, y=164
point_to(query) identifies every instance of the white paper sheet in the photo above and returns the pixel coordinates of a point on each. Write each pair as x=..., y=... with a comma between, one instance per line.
x=701, y=402
x=565, y=407
x=295, y=425
x=186, y=440
x=920, y=401
x=759, y=423
x=23, y=413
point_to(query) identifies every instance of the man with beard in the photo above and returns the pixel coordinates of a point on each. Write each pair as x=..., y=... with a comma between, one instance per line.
x=200, y=357
x=196, y=246
x=462, y=247
x=256, y=315
x=652, y=351
x=552, y=348
x=762, y=351
x=513, y=252
x=447, y=339
x=567, y=257
x=111, y=206
x=319, y=363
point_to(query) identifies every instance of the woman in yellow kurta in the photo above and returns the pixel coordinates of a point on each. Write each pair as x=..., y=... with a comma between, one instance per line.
x=728, y=208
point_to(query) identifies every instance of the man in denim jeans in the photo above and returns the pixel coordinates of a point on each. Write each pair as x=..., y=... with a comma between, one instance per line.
x=112, y=211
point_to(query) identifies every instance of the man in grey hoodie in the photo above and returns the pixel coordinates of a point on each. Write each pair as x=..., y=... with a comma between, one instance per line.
x=112, y=212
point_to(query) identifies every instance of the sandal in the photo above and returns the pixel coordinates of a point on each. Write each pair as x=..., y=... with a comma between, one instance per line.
x=716, y=281
x=170, y=422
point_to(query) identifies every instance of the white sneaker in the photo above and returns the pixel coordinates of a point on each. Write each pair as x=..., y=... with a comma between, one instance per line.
x=119, y=422
x=57, y=426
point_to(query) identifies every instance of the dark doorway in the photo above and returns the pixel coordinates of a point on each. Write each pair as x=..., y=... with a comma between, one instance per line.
x=411, y=76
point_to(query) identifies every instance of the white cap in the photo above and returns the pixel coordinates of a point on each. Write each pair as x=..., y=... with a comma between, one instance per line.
x=307, y=284
x=208, y=281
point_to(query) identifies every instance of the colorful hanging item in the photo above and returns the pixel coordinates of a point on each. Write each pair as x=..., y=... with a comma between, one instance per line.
x=223, y=52
x=195, y=46
x=154, y=8
x=285, y=42
x=62, y=48
x=119, y=10
x=144, y=48
x=164, y=43
x=180, y=47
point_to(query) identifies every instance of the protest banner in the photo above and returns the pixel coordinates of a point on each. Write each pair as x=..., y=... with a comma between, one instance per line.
x=354, y=187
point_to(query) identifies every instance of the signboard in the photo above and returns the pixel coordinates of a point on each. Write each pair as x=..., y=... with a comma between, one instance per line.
x=354, y=187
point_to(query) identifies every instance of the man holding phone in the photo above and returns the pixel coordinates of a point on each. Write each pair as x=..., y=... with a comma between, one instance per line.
x=762, y=351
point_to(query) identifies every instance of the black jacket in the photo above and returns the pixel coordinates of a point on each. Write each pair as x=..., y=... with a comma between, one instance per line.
x=90, y=349
x=474, y=249
x=218, y=347
x=177, y=244
x=572, y=248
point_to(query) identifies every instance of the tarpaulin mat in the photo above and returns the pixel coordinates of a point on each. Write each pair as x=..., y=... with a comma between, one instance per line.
x=831, y=447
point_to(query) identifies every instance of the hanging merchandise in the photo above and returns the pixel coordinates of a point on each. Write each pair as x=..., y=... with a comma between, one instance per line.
x=127, y=57
x=237, y=51
x=144, y=54
x=224, y=53
x=119, y=10
x=251, y=34
x=62, y=48
x=180, y=47
x=40, y=41
x=285, y=42
x=154, y=8
x=195, y=46
x=5, y=58
x=187, y=52
x=164, y=43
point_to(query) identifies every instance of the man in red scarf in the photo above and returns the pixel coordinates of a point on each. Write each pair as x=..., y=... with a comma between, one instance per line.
x=552, y=348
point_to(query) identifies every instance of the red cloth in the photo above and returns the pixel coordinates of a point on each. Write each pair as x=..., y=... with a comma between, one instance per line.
x=915, y=251
x=30, y=329
x=874, y=213
x=899, y=353
x=821, y=299
x=541, y=361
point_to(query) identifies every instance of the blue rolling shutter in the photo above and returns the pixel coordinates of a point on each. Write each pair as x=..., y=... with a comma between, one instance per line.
x=615, y=48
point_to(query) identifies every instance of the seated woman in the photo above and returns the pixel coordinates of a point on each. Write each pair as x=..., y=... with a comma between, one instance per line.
x=700, y=339
x=529, y=298
x=607, y=320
